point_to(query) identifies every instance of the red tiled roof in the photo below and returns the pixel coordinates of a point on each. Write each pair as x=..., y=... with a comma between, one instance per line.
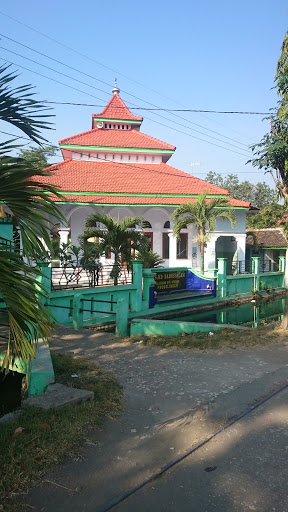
x=141, y=200
x=117, y=138
x=116, y=109
x=108, y=177
x=269, y=237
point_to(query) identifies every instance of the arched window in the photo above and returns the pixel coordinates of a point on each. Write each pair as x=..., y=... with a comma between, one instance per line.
x=167, y=224
x=146, y=224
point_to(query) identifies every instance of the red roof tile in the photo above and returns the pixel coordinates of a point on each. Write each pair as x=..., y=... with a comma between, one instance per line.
x=108, y=177
x=117, y=138
x=269, y=237
x=141, y=200
x=116, y=109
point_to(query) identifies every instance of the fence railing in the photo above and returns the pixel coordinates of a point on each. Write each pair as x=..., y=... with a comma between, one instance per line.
x=63, y=278
x=246, y=267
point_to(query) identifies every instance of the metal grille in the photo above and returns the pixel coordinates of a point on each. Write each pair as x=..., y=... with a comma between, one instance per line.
x=72, y=278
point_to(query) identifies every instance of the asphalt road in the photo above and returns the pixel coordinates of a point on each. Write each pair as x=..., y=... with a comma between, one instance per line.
x=174, y=399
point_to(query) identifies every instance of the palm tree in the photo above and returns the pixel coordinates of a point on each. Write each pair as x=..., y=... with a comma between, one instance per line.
x=118, y=237
x=27, y=201
x=203, y=214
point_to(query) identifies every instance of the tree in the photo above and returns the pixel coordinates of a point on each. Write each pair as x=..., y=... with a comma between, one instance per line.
x=203, y=214
x=28, y=203
x=259, y=195
x=268, y=217
x=118, y=237
x=38, y=157
x=271, y=153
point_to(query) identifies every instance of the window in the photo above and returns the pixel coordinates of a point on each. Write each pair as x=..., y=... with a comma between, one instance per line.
x=109, y=125
x=165, y=246
x=167, y=224
x=145, y=158
x=121, y=156
x=182, y=244
x=123, y=126
x=149, y=235
x=105, y=125
x=137, y=157
x=146, y=224
x=129, y=157
x=153, y=158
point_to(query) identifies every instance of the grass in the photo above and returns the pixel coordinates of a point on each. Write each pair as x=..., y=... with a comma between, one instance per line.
x=40, y=438
x=227, y=338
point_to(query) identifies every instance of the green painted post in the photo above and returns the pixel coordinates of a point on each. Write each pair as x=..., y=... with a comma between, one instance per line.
x=148, y=281
x=77, y=316
x=6, y=228
x=256, y=272
x=137, y=265
x=222, y=278
x=282, y=267
x=122, y=317
x=44, y=279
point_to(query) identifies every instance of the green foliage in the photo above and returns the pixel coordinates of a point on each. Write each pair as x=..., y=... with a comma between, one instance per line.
x=268, y=217
x=259, y=195
x=150, y=259
x=19, y=108
x=38, y=157
x=121, y=238
x=203, y=214
x=271, y=153
x=27, y=198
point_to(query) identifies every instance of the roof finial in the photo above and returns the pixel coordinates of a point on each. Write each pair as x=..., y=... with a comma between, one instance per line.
x=115, y=89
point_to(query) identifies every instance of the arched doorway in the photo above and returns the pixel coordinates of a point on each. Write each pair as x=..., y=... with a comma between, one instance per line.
x=226, y=247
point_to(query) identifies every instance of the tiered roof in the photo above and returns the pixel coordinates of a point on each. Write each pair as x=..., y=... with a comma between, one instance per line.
x=116, y=138
x=121, y=183
x=116, y=109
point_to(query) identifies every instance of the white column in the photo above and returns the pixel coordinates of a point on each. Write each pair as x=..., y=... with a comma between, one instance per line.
x=63, y=233
x=172, y=250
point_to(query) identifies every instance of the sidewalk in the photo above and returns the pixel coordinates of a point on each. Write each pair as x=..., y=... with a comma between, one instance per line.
x=173, y=399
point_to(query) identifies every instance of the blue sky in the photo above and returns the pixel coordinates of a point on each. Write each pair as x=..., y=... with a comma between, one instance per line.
x=220, y=55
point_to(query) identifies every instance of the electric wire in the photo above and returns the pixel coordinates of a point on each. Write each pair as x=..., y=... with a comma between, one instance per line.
x=153, y=120
x=156, y=109
x=103, y=65
x=132, y=95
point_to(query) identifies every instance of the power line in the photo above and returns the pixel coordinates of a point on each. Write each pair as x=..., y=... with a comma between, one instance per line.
x=153, y=120
x=101, y=81
x=161, y=109
x=124, y=163
x=100, y=63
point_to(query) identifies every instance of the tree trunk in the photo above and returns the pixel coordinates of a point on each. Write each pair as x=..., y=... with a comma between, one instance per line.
x=202, y=249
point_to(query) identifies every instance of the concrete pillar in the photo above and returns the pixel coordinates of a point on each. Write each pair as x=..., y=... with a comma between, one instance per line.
x=256, y=271
x=137, y=266
x=148, y=288
x=44, y=280
x=222, y=277
x=282, y=268
x=64, y=234
x=6, y=229
x=172, y=250
x=122, y=317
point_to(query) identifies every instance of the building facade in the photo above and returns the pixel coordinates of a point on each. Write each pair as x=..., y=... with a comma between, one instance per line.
x=116, y=169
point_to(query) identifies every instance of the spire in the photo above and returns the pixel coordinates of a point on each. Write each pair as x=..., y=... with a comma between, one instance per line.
x=115, y=89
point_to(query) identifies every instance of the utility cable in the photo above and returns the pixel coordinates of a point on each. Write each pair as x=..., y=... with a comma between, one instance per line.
x=153, y=120
x=97, y=62
x=101, y=81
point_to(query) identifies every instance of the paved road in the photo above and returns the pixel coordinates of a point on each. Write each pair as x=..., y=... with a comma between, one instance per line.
x=173, y=398
x=251, y=471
